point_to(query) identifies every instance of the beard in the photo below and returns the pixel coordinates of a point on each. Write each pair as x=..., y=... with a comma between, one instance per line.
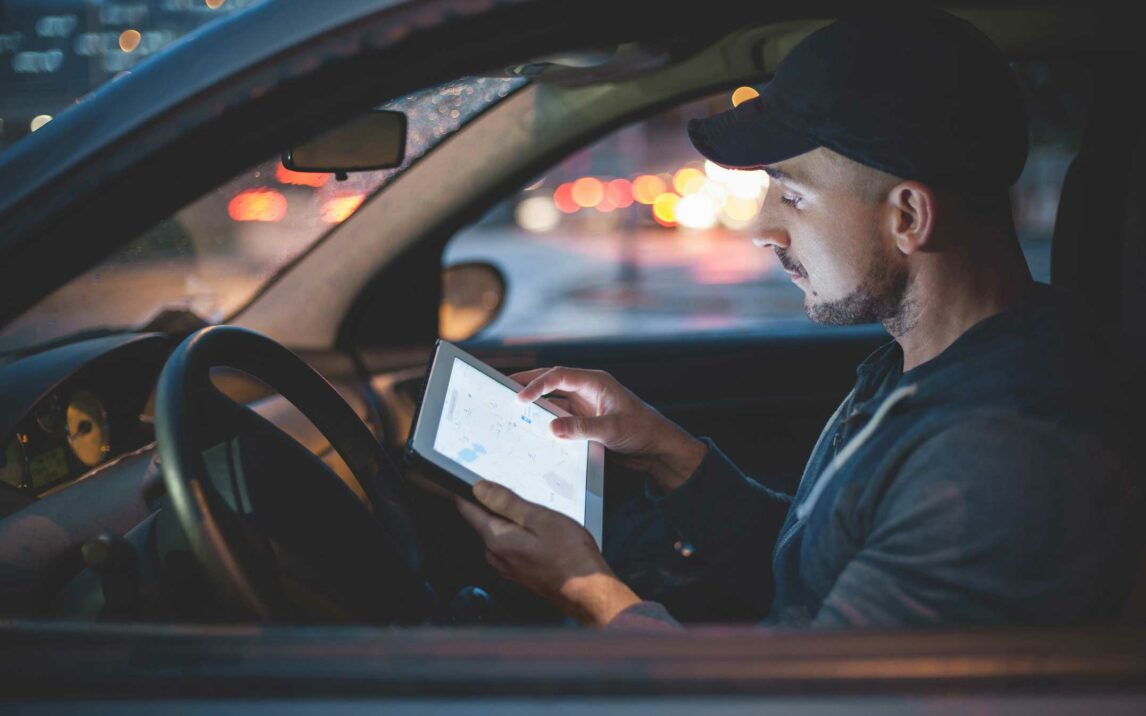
x=883, y=296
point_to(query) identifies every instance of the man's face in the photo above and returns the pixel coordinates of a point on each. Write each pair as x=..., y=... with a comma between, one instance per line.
x=826, y=222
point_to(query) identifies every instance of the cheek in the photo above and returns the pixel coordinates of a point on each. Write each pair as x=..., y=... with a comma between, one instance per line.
x=833, y=270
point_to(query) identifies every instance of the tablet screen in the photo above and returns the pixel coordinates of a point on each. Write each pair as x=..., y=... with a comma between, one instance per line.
x=485, y=428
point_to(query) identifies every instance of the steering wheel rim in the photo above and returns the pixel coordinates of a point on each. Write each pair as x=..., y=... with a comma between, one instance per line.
x=183, y=385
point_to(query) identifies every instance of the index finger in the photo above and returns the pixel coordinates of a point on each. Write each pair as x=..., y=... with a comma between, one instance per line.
x=566, y=379
x=492, y=529
x=525, y=376
x=502, y=501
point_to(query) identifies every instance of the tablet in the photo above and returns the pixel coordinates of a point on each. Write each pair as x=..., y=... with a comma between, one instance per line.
x=471, y=426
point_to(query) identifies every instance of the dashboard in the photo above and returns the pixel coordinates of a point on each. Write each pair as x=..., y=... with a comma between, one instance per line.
x=77, y=431
x=72, y=409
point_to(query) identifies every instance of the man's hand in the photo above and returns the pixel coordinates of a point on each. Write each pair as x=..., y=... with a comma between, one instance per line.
x=546, y=552
x=607, y=412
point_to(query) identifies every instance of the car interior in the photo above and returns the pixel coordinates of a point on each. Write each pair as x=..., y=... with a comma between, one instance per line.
x=280, y=492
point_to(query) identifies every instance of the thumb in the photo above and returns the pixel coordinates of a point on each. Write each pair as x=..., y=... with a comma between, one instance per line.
x=584, y=428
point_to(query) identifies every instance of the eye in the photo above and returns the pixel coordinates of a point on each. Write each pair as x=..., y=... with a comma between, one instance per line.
x=791, y=201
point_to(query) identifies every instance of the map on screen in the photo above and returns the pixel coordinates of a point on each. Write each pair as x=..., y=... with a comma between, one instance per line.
x=484, y=428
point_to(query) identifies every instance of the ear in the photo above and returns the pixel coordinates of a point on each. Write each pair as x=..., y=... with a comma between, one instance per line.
x=911, y=215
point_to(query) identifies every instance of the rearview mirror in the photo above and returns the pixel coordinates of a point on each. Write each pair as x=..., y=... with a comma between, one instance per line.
x=373, y=141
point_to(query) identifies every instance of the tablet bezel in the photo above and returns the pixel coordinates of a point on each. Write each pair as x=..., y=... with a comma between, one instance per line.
x=425, y=431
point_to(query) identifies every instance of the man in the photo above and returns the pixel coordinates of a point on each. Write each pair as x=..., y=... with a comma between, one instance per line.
x=977, y=473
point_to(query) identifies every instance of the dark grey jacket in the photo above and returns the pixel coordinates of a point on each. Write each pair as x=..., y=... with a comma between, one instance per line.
x=990, y=485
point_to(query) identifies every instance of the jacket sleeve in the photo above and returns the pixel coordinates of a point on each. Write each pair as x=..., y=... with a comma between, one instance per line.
x=731, y=520
x=995, y=520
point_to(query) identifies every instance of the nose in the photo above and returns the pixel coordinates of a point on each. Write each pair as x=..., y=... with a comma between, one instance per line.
x=771, y=237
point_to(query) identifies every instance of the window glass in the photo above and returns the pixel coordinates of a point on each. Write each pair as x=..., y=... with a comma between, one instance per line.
x=211, y=257
x=55, y=52
x=637, y=235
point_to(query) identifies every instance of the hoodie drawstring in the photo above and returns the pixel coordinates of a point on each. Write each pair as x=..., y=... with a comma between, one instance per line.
x=897, y=395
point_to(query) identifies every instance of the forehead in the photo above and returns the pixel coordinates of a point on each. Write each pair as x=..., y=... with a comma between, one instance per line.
x=819, y=169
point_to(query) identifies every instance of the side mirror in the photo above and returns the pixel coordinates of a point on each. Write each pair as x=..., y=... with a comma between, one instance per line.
x=473, y=294
x=373, y=141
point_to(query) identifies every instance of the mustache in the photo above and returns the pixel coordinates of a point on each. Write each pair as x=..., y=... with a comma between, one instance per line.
x=788, y=264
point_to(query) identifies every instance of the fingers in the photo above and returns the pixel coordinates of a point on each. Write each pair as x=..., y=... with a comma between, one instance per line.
x=501, y=501
x=527, y=375
x=573, y=380
x=489, y=527
x=600, y=428
x=563, y=403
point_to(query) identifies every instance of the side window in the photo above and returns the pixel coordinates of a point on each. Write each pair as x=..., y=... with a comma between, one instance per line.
x=637, y=235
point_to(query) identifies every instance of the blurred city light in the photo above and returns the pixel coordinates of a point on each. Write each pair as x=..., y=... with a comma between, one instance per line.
x=745, y=185
x=39, y=121
x=647, y=187
x=129, y=40
x=257, y=205
x=537, y=214
x=715, y=190
x=214, y=4
x=339, y=209
x=664, y=209
x=619, y=193
x=563, y=199
x=588, y=192
x=743, y=94
x=697, y=211
x=311, y=179
x=715, y=171
x=686, y=179
x=740, y=210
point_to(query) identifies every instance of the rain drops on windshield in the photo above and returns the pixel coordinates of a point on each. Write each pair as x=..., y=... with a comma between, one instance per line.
x=214, y=255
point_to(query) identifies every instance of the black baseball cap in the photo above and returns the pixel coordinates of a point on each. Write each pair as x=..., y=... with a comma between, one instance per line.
x=919, y=94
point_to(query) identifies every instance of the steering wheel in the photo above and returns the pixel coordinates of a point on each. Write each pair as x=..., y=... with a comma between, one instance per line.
x=278, y=533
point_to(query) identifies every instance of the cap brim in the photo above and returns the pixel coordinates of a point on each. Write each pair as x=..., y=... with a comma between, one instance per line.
x=746, y=137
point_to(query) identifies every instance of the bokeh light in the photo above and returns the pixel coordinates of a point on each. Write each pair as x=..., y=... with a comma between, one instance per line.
x=745, y=184
x=563, y=198
x=647, y=187
x=129, y=40
x=697, y=211
x=715, y=190
x=619, y=193
x=686, y=178
x=714, y=171
x=39, y=121
x=214, y=4
x=740, y=210
x=257, y=205
x=588, y=192
x=664, y=209
x=537, y=214
x=743, y=94
x=339, y=208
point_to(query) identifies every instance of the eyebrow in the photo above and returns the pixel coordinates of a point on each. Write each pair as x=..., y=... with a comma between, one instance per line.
x=783, y=176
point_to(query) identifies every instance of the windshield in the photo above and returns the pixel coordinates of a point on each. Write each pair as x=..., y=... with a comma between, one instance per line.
x=214, y=255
